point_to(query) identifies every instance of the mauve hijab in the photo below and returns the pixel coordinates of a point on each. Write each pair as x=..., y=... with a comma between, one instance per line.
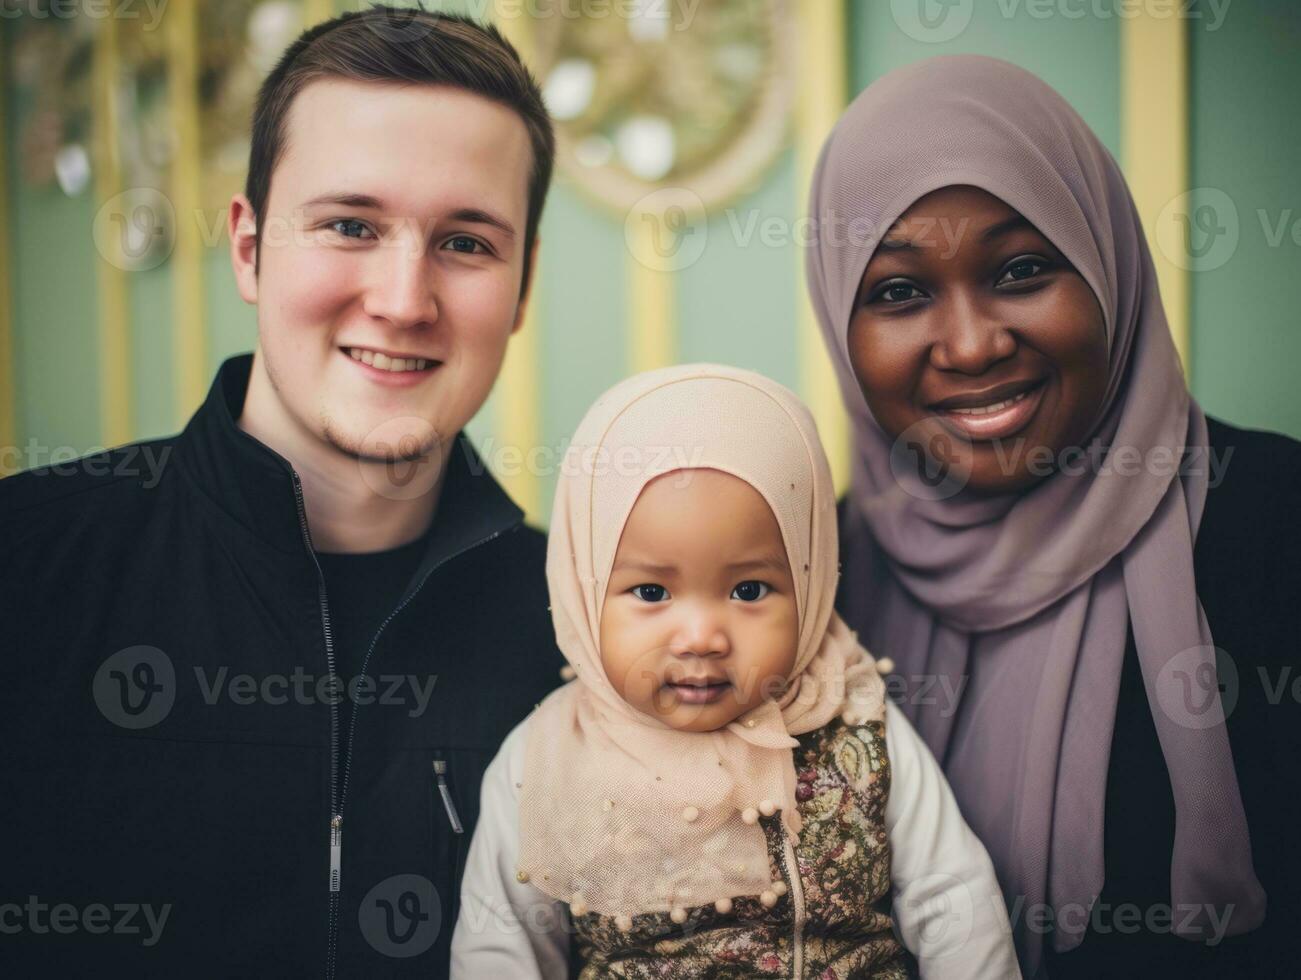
x=1016, y=608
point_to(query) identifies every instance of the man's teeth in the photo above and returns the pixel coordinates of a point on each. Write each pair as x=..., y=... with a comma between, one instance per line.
x=989, y=409
x=386, y=363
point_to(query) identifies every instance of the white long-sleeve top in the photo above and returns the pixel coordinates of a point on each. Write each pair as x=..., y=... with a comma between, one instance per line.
x=946, y=900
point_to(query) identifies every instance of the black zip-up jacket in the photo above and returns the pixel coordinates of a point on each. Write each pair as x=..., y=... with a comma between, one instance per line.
x=175, y=796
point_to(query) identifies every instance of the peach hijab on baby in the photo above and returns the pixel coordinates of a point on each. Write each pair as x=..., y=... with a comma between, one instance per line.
x=620, y=813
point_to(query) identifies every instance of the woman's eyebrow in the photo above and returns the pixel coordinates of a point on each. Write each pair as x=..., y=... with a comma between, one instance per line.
x=1017, y=222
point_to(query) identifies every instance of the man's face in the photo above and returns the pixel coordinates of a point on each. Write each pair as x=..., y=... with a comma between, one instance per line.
x=393, y=238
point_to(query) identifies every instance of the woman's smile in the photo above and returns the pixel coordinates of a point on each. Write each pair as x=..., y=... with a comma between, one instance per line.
x=993, y=413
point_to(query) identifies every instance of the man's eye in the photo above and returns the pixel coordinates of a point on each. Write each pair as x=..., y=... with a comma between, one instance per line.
x=349, y=227
x=895, y=292
x=465, y=244
x=751, y=591
x=1022, y=269
x=650, y=593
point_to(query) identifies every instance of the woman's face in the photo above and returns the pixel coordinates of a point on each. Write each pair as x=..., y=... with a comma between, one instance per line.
x=974, y=338
x=699, y=623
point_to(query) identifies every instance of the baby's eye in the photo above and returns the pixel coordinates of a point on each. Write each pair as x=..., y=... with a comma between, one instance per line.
x=751, y=591
x=649, y=592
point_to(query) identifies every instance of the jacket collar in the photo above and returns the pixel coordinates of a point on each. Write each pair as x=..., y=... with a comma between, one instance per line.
x=257, y=487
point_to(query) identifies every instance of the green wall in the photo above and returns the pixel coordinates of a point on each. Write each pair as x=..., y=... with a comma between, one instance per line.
x=738, y=303
x=1246, y=142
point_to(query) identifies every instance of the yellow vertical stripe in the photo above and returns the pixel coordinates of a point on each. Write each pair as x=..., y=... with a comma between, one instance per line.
x=519, y=387
x=114, y=339
x=823, y=84
x=1154, y=66
x=652, y=321
x=8, y=395
x=187, y=257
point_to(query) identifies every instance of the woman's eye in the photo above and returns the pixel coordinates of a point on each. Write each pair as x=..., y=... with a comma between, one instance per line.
x=896, y=292
x=751, y=591
x=650, y=593
x=349, y=227
x=1022, y=269
x=465, y=244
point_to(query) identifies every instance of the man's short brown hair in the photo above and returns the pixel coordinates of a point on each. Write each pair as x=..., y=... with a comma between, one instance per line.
x=403, y=45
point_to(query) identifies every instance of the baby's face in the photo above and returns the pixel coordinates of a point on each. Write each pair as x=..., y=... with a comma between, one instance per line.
x=699, y=623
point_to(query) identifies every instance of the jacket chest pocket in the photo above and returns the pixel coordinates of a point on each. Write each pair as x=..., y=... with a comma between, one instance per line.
x=447, y=829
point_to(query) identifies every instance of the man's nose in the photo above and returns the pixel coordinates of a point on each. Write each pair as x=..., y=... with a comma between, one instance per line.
x=403, y=291
x=973, y=336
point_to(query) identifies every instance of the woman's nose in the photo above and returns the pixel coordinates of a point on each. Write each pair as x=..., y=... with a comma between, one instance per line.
x=972, y=337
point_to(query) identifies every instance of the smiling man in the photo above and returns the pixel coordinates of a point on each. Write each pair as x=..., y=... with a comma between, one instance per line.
x=260, y=694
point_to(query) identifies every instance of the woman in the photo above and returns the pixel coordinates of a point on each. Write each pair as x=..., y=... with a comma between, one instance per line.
x=1048, y=536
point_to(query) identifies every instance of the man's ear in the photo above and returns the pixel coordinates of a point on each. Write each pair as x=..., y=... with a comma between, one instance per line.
x=532, y=262
x=241, y=224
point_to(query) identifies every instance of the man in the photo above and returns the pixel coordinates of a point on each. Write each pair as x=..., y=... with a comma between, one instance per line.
x=248, y=702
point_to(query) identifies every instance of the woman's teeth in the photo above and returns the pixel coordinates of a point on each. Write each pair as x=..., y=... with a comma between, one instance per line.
x=989, y=409
x=386, y=363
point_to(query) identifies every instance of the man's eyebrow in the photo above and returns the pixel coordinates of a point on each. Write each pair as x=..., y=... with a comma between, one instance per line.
x=347, y=200
x=481, y=217
x=471, y=215
x=1015, y=223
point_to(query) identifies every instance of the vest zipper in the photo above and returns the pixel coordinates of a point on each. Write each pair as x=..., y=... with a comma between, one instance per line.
x=339, y=793
x=792, y=869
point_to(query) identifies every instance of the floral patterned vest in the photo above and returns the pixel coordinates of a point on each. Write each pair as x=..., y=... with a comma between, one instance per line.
x=833, y=921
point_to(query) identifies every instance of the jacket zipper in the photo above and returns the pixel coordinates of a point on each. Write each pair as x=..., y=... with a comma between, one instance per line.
x=336, y=816
x=440, y=773
x=791, y=867
x=339, y=794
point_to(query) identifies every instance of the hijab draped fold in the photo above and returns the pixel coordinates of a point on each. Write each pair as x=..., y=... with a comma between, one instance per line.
x=1019, y=605
x=620, y=813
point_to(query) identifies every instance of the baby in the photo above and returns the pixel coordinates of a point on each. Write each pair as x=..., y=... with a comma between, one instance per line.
x=722, y=790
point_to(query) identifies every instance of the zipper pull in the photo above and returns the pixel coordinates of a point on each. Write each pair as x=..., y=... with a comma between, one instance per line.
x=336, y=850
x=440, y=770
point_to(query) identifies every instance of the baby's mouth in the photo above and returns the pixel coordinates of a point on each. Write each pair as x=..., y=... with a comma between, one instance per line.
x=699, y=690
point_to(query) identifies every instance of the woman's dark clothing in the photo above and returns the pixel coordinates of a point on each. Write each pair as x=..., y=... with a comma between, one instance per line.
x=1247, y=561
